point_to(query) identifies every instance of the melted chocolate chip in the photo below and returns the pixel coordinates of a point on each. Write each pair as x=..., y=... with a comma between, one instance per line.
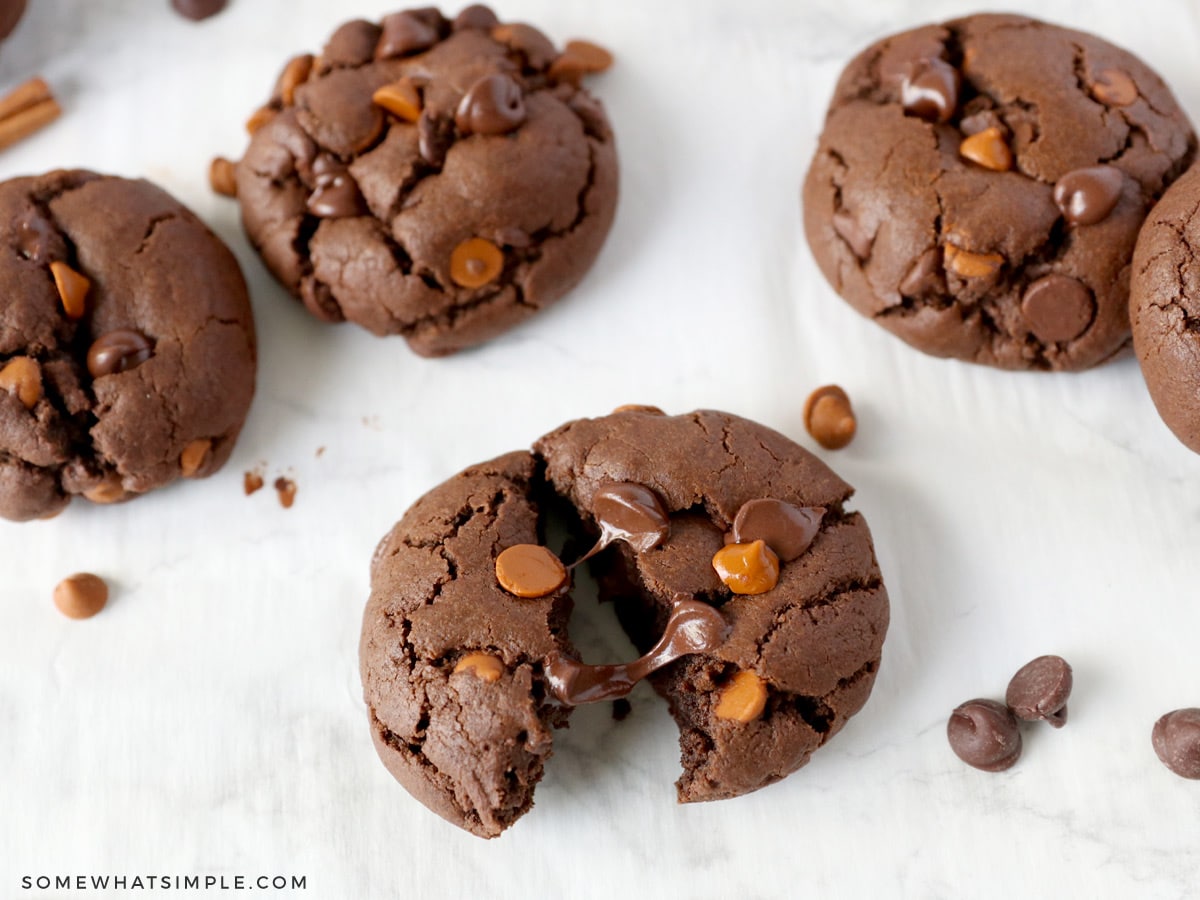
x=336, y=195
x=984, y=734
x=118, y=351
x=407, y=32
x=631, y=513
x=1087, y=196
x=1058, y=308
x=435, y=137
x=693, y=627
x=36, y=237
x=930, y=91
x=494, y=104
x=788, y=530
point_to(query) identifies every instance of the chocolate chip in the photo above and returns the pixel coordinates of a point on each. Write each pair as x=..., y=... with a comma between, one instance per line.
x=1058, y=308
x=198, y=9
x=1176, y=739
x=495, y=104
x=984, y=734
x=353, y=44
x=81, y=596
x=850, y=231
x=36, y=237
x=475, y=16
x=537, y=49
x=118, y=351
x=930, y=91
x=1039, y=691
x=925, y=276
x=787, y=529
x=406, y=32
x=1087, y=196
x=632, y=513
x=336, y=195
x=529, y=571
x=435, y=137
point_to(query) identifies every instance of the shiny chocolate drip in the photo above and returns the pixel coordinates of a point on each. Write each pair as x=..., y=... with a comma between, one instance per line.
x=628, y=512
x=693, y=627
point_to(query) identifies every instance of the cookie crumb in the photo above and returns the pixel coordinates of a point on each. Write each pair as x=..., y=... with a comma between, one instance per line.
x=286, y=489
x=320, y=452
x=251, y=481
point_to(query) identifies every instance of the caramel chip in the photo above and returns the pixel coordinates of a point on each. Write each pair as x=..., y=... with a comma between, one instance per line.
x=401, y=99
x=529, y=571
x=222, y=177
x=639, y=407
x=110, y=490
x=259, y=118
x=966, y=264
x=194, y=456
x=829, y=418
x=72, y=289
x=579, y=58
x=1115, y=88
x=81, y=596
x=476, y=262
x=23, y=376
x=295, y=73
x=743, y=699
x=988, y=148
x=483, y=666
x=751, y=568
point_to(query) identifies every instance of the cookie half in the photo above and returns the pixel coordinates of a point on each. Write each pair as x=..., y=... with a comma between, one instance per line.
x=442, y=180
x=979, y=186
x=1165, y=306
x=127, y=353
x=463, y=678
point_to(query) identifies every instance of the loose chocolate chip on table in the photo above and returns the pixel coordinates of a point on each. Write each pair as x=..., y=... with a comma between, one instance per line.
x=751, y=568
x=984, y=734
x=530, y=571
x=1176, y=739
x=1039, y=691
x=198, y=9
x=81, y=596
x=787, y=529
x=829, y=418
x=494, y=104
x=931, y=90
x=1086, y=196
x=118, y=351
x=1058, y=308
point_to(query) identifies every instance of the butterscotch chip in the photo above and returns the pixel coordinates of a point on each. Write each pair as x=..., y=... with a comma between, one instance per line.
x=483, y=666
x=743, y=699
x=23, y=376
x=579, y=58
x=475, y=262
x=72, y=289
x=81, y=596
x=295, y=73
x=971, y=265
x=987, y=148
x=1114, y=87
x=194, y=456
x=401, y=99
x=259, y=118
x=251, y=482
x=222, y=177
x=108, y=491
x=639, y=407
x=529, y=571
x=751, y=568
x=829, y=418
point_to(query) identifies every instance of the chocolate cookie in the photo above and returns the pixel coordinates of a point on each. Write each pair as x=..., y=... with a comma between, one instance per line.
x=753, y=594
x=1164, y=303
x=10, y=14
x=127, y=349
x=979, y=187
x=442, y=180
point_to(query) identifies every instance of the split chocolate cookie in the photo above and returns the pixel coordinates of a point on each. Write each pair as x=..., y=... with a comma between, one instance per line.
x=438, y=179
x=979, y=186
x=127, y=351
x=1165, y=306
x=751, y=591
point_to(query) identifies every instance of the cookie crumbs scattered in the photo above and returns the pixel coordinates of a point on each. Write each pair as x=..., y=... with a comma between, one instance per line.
x=286, y=489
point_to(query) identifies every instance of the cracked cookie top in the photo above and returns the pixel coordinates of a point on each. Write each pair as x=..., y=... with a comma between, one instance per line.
x=466, y=662
x=1164, y=304
x=127, y=352
x=979, y=186
x=438, y=179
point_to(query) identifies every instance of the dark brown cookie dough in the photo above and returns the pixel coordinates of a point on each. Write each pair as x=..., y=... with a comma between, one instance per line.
x=10, y=14
x=127, y=352
x=455, y=668
x=476, y=188
x=979, y=187
x=1164, y=304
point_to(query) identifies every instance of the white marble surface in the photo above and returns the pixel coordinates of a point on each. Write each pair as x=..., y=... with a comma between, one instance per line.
x=210, y=720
